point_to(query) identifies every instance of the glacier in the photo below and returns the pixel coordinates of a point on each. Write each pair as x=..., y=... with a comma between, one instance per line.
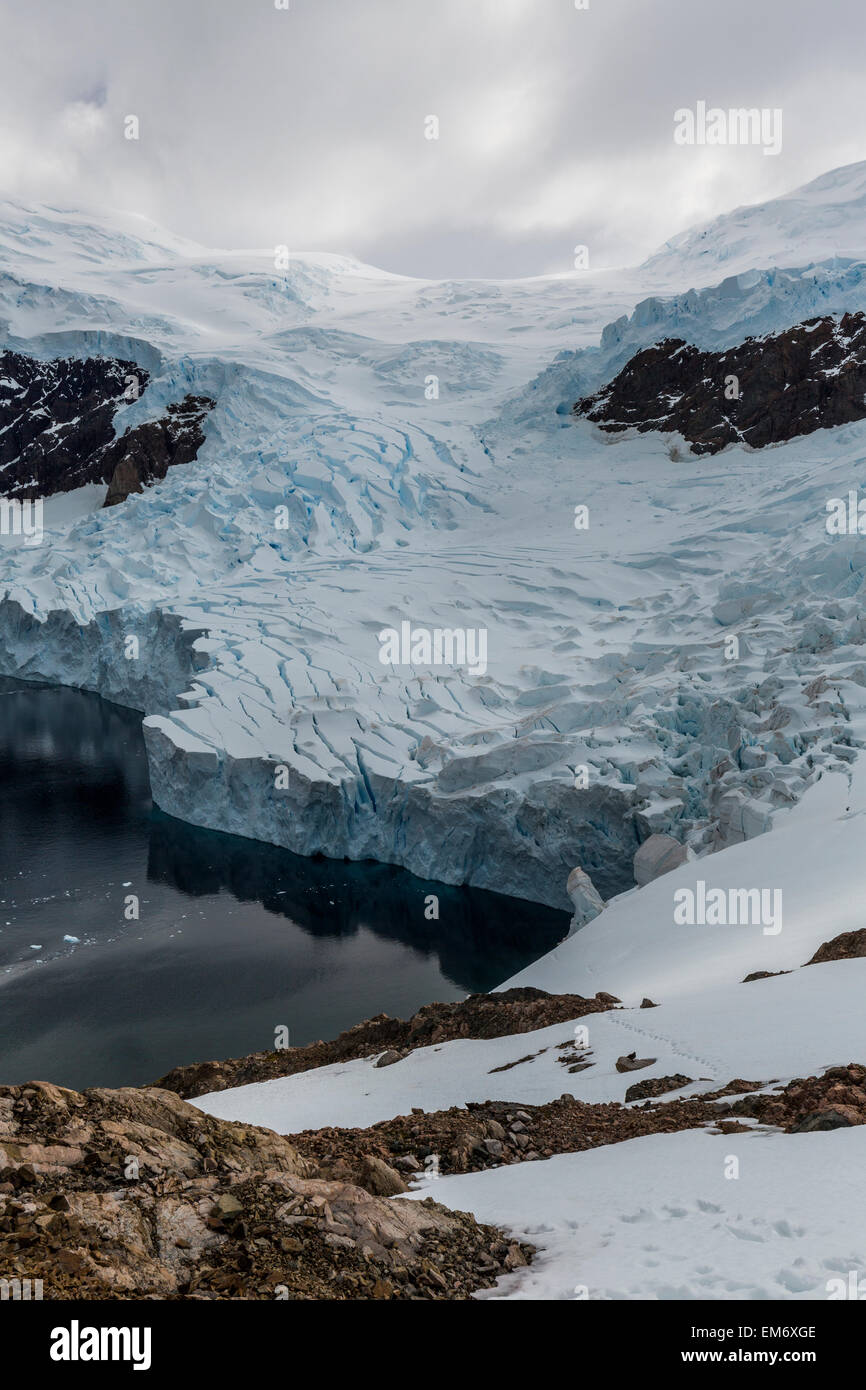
x=385, y=448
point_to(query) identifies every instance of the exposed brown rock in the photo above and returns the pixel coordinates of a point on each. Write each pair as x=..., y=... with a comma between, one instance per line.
x=496, y=1133
x=517, y=1062
x=575, y=1056
x=493, y=1133
x=836, y=1099
x=657, y=1086
x=850, y=945
x=631, y=1062
x=135, y=1194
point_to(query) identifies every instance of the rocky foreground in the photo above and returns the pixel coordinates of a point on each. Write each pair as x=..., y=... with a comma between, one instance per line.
x=136, y=1194
x=133, y=1194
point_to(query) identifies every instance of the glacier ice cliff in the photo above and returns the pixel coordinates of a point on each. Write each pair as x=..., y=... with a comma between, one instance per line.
x=690, y=662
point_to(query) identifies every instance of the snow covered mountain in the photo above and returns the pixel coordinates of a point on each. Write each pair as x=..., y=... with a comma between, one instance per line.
x=385, y=451
x=674, y=644
x=815, y=224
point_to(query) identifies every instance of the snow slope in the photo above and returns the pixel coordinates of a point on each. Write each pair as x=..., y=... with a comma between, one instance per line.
x=708, y=1024
x=660, y=1217
x=820, y=221
x=656, y=1218
x=714, y=1034
x=636, y=948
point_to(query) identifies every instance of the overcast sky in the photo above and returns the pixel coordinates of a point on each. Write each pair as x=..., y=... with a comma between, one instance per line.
x=306, y=127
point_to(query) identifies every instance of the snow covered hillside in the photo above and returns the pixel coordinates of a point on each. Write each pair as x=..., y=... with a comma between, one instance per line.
x=757, y=1214
x=818, y=223
x=707, y=1023
x=386, y=451
x=655, y=1218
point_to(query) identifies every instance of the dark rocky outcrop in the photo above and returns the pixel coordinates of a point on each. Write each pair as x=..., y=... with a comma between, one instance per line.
x=57, y=419
x=849, y=945
x=657, y=1086
x=144, y=455
x=57, y=428
x=812, y=376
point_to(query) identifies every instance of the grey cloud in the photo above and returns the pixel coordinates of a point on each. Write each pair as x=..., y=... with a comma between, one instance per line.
x=260, y=126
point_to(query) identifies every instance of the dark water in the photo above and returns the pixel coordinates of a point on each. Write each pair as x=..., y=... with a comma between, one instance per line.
x=234, y=938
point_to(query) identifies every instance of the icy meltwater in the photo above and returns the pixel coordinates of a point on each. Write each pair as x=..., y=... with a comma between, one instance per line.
x=233, y=940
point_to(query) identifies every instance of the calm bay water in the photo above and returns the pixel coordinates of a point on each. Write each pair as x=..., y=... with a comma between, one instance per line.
x=234, y=938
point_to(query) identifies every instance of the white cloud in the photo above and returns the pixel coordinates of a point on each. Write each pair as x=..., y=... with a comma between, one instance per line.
x=305, y=126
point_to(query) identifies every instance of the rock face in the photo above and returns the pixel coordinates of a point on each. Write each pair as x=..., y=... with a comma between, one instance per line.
x=850, y=945
x=658, y=855
x=811, y=377
x=57, y=428
x=57, y=419
x=135, y=1194
x=145, y=454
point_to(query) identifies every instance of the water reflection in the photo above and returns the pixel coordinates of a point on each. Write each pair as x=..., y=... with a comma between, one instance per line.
x=234, y=938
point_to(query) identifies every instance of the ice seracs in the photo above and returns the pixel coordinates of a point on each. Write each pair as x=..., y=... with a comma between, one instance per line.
x=697, y=649
x=658, y=854
x=585, y=897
